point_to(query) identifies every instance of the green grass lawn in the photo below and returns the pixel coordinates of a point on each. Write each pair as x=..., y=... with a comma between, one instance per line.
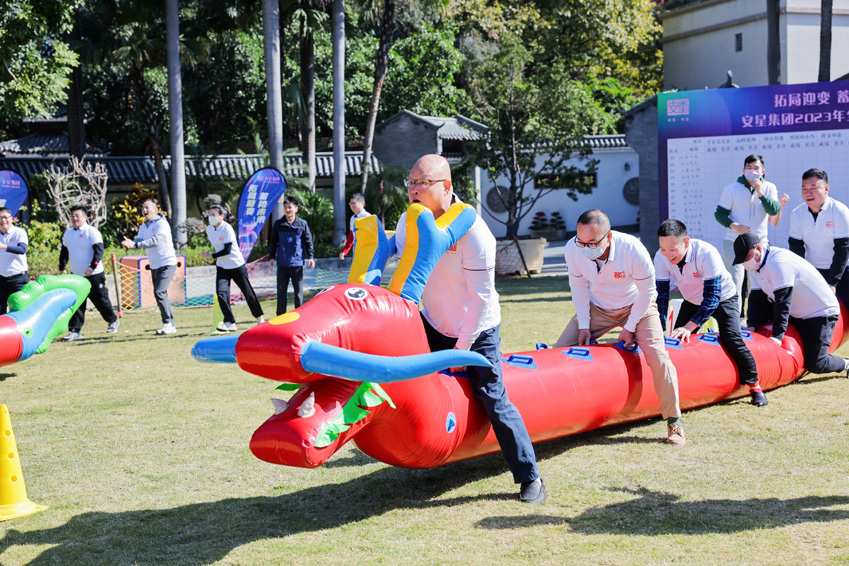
x=142, y=456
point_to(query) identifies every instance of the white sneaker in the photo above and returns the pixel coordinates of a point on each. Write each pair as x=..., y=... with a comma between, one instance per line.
x=260, y=319
x=167, y=328
x=226, y=327
x=113, y=327
x=72, y=336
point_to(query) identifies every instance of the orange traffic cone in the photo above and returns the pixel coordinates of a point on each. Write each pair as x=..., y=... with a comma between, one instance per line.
x=13, y=492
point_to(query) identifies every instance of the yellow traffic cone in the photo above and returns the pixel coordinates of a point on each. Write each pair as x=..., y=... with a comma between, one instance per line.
x=217, y=315
x=13, y=492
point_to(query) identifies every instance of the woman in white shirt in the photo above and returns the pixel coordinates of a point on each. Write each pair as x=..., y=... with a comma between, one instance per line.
x=230, y=266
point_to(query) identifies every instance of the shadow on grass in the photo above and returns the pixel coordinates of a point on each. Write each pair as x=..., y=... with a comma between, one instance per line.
x=654, y=513
x=205, y=533
x=5, y=376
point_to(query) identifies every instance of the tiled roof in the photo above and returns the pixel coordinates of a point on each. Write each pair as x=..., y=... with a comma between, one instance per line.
x=457, y=127
x=606, y=142
x=49, y=144
x=128, y=170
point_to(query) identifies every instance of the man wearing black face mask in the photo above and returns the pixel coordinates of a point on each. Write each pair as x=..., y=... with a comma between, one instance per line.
x=786, y=288
x=612, y=279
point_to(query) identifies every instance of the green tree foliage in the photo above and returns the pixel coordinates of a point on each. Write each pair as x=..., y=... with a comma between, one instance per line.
x=34, y=58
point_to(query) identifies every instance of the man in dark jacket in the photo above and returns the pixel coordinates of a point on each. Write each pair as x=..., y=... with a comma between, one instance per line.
x=291, y=241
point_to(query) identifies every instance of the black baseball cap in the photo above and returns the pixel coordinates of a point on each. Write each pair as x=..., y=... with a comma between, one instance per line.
x=743, y=245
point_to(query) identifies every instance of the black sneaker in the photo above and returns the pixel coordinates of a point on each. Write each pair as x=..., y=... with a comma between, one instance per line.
x=759, y=399
x=532, y=491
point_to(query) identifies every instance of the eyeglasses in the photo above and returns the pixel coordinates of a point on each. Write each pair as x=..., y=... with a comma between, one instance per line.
x=421, y=183
x=595, y=244
x=6, y=218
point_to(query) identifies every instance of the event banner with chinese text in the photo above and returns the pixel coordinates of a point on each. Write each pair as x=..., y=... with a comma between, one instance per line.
x=13, y=191
x=704, y=137
x=259, y=197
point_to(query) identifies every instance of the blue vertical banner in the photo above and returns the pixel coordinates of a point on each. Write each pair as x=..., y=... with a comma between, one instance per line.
x=13, y=191
x=259, y=197
x=704, y=136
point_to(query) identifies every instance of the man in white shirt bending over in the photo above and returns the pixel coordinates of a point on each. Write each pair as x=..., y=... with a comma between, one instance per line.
x=819, y=232
x=612, y=280
x=460, y=310
x=788, y=289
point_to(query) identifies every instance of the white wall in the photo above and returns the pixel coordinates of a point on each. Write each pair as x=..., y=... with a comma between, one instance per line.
x=699, y=43
x=607, y=196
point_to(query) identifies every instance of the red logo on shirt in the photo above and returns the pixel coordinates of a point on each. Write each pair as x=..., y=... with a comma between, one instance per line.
x=829, y=224
x=697, y=275
x=453, y=248
x=619, y=275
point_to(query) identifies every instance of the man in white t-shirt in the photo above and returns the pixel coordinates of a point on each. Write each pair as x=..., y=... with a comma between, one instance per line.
x=460, y=310
x=788, y=289
x=358, y=208
x=14, y=271
x=695, y=268
x=819, y=232
x=612, y=280
x=744, y=207
x=82, y=245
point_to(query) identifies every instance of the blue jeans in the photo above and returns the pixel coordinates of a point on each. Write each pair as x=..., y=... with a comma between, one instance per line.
x=488, y=387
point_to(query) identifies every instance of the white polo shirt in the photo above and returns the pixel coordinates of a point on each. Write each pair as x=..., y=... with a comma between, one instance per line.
x=781, y=269
x=746, y=208
x=625, y=279
x=220, y=235
x=818, y=235
x=80, y=251
x=459, y=299
x=702, y=262
x=13, y=264
x=363, y=213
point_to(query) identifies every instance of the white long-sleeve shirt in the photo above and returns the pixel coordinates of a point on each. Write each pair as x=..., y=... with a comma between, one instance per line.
x=459, y=299
x=626, y=278
x=155, y=237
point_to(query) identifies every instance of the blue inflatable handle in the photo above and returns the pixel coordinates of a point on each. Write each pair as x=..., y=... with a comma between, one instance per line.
x=578, y=353
x=747, y=335
x=541, y=346
x=520, y=361
x=635, y=349
x=674, y=343
x=709, y=338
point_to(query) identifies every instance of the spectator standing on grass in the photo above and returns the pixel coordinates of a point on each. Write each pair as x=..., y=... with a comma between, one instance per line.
x=14, y=271
x=82, y=247
x=358, y=207
x=229, y=266
x=819, y=232
x=695, y=268
x=291, y=242
x=744, y=207
x=155, y=238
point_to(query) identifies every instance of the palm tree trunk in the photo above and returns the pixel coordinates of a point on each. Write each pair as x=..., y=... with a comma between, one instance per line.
x=175, y=115
x=76, y=114
x=773, y=41
x=825, y=41
x=152, y=126
x=381, y=69
x=308, y=123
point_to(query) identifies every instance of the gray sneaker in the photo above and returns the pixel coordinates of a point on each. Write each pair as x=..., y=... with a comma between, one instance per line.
x=72, y=336
x=113, y=327
x=167, y=328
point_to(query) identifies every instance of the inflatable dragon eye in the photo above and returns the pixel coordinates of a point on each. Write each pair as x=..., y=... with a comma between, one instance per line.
x=356, y=293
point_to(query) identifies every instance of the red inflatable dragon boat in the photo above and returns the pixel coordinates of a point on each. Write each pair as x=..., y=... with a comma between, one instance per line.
x=358, y=356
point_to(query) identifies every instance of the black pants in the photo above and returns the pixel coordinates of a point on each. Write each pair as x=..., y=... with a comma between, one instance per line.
x=842, y=286
x=99, y=297
x=816, y=338
x=284, y=275
x=727, y=316
x=9, y=286
x=222, y=288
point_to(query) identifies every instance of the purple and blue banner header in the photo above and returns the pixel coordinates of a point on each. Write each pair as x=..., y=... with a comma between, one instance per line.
x=259, y=197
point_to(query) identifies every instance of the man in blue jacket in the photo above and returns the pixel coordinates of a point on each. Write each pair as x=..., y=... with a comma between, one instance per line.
x=291, y=241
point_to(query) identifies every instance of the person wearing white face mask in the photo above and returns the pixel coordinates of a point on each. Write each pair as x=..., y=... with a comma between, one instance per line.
x=788, y=289
x=744, y=207
x=230, y=266
x=612, y=279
